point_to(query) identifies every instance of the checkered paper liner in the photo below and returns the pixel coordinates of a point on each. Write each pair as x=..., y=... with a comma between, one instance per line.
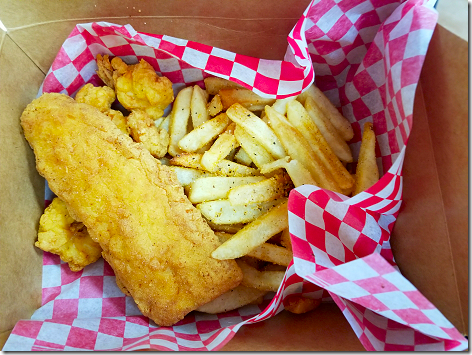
x=367, y=57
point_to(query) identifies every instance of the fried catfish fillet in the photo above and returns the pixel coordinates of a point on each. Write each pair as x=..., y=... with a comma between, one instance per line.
x=60, y=234
x=137, y=86
x=152, y=236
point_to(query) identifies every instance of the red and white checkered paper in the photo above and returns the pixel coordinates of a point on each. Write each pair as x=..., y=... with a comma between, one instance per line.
x=367, y=57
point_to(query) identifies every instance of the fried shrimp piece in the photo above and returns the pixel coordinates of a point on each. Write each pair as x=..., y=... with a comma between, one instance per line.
x=137, y=86
x=105, y=70
x=60, y=234
x=102, y=98
x=118, y=119
x=143, y=130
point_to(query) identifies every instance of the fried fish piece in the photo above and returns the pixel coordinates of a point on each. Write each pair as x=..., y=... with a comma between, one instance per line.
x=137, y=86
x=60, y=234
x=155, y=240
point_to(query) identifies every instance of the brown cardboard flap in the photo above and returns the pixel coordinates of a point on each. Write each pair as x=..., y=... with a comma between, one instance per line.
x=22, y=192
x=16, y=15
x=446, y=93
x=42, y=47
x=324, y=329
x=430, y=239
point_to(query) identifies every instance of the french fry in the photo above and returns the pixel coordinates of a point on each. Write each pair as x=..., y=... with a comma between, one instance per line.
x=254, y=234
x=216, y=187
x=267, y=252
x=180, y=115
x=297, y=172
x=222, y=212
x=266, y=190
x=215, y=106
x=256, y=152
x=337, y=119
x=223, y=145
x=188, y=175
x=329, y=132
x=226, y=228
x=233, y=299
x=299, y=304
x=242, y=157
x=280, y=105
x=299, y=149
x=224, y=167
x=257, y=128
x=285, y=239
x=245, y=97
x=272, y=253
x=298, y=116
x=165, y=124
x=261, y=280
x=198, y=106
x=203, y=134
x=367, y=171
x=214, y=84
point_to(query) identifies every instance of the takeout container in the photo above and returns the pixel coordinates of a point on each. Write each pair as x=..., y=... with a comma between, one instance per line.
x=429, y=239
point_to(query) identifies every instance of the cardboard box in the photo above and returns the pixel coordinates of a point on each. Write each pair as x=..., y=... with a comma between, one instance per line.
x=430, y=238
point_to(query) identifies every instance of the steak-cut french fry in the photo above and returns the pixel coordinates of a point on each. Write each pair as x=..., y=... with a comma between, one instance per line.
x=337, y=119
x=203, y=134
x=329, y=132
x=261, y=280
x=224, y=167
x=297, y=172
x=254, y=234
x=244, y=97
x=188, y=175
x=233, y=299
x=258, y=129
x=215, y=106
x=267, y=252
x=298, y=304
x=198, y=106
x=367, y=171
x=255, y=151
x=299, y=149
x=300, y=119
x=216, y=187
x=260, y=191
x=222, y=212
x=242, y=157
x=223, y=145
x=214, y=84
x=179, y=119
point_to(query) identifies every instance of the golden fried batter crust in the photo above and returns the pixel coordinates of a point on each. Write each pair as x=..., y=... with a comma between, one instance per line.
x=154, y=239
x=60, y=234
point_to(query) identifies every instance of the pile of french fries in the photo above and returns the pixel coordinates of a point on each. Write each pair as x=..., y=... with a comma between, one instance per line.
x=238, y=155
